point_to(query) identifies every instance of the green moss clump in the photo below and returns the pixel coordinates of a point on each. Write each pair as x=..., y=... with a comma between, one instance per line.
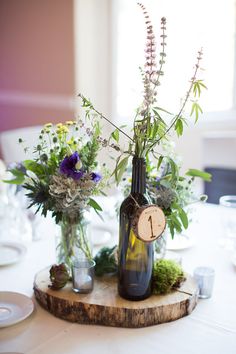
x=167, y=274
x=106, y=261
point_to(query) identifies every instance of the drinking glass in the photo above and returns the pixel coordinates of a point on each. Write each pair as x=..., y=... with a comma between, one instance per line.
x=83, y=276
x=204, y=277
x=228, y=217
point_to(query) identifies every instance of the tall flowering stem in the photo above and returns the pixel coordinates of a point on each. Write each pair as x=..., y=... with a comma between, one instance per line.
x=151, y=75
x=151, y=79
x=193, y=82
x=150, y=127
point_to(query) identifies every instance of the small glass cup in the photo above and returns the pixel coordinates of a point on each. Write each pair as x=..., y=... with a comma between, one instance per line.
x=83, y=276
x=204, y=277
x=228, y=239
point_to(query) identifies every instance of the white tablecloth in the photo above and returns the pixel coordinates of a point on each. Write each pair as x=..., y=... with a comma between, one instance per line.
x=210, y=329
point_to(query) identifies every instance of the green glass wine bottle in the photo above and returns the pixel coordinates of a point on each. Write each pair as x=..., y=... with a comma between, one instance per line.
x=135, y=256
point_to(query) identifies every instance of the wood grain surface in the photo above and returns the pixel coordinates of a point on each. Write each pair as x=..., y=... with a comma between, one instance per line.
x=105, y=307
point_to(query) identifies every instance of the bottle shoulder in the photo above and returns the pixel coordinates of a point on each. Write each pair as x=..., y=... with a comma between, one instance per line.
x=134, y=199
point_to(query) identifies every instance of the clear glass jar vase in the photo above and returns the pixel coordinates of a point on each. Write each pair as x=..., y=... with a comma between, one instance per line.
x=73, y=240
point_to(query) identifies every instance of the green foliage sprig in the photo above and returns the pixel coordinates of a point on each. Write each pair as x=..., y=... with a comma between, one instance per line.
x=106, y=261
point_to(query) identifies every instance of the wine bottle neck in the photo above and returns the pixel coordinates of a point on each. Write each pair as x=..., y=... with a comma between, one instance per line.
x=138, y=176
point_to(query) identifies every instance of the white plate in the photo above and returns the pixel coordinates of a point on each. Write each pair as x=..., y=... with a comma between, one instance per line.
x=14, y=307
x=180, y=242
x=11, y=252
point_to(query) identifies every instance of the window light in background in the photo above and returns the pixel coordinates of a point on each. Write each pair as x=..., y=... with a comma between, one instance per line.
x=190, y=26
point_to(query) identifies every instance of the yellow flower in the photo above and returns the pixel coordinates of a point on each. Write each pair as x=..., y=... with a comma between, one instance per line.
x=71, y=141
x=69, y=122
x=64, y=129
x=59, y=125
x=48, y=125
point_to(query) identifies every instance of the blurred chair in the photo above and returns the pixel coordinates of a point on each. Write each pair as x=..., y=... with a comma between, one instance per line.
x=10, y=148
x=223, y=183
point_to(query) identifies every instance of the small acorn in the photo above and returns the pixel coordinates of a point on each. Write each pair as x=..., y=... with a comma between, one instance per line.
x=59, y=276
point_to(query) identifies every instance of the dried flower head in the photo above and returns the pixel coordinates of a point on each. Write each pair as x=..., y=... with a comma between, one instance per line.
x=59, y=276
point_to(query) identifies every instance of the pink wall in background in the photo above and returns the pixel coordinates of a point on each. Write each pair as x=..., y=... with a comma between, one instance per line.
x=13, y=117
x=36, y=62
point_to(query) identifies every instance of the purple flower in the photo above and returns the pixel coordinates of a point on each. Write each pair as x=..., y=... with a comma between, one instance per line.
x=157, y=182
x=95, y=176
x=68, y=166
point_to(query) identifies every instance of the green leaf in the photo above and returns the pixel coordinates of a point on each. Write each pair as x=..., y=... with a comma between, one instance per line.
x=176, y=223
x=197, y=86
x=149, y=129
x=17, y=173
x=115, y=135
x=195, y=110
x=160, y=161
x=202, y=84
x=196, y=89
x=154, y=129
x=198, y=173
x=183, y=217
x=33, y=166
x=161, y=109
x=94, y=205
x=174, y=169
x=18, y=180
x=172, y=230
x=120, y=169
x=179, y=127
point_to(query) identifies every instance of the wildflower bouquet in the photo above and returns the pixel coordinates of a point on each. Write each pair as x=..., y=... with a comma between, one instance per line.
x=63, y=177
x=153, y=128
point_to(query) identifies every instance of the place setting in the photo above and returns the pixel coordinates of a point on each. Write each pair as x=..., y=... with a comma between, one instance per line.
x=14, y=308
x=11, y=253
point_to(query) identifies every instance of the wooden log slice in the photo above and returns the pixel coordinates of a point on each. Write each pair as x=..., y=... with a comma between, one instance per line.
x=105, y=307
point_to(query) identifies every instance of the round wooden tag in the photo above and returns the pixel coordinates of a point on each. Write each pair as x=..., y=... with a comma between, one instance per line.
x=149, y=223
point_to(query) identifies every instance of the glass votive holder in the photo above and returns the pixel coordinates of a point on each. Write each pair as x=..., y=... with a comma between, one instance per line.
x=228, y=218
x=83, y=276
x=204, y=277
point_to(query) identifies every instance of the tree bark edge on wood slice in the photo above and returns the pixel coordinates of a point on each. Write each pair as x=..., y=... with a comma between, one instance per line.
x=104, y=307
